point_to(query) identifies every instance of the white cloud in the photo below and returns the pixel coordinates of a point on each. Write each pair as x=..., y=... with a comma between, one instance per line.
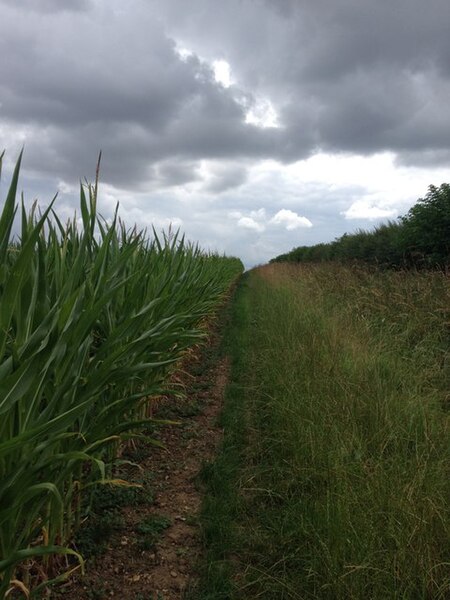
x=222, y=73
x=167, y=223
x=263, y=114
x=183, y=53
x=249, y=223
x=66, y=188
x=258, y=219
x=290, y=219
x=365, y=209
x=255, y=219
x=258, y=214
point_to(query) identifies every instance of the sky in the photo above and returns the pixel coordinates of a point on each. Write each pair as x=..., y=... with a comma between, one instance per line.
x=253, y=126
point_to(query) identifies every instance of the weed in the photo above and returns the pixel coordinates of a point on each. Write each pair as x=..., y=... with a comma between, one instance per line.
x=150, y=530
x=93, y=537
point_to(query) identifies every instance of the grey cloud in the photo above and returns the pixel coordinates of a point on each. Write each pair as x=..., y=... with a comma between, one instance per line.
x=354, y=76
x=107, y=73
x=176, y=173
x=48, y=6
x=424, y=158
x=226, y=178
x=113, y=80
x=359, y=76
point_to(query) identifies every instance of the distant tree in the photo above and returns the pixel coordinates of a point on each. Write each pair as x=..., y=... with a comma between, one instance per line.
x=425, y=233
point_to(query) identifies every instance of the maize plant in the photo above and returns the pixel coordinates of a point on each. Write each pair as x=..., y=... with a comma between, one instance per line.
x=92, y=320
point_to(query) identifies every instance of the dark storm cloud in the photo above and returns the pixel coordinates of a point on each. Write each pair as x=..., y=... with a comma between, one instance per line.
x=103, y=72
x=112, y=79
x=353, y=76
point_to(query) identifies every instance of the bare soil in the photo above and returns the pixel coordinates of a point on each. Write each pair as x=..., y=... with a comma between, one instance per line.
x=167, y=569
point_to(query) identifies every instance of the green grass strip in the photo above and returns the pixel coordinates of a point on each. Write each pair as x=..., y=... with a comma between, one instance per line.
x=222, y=505
x=333, y=480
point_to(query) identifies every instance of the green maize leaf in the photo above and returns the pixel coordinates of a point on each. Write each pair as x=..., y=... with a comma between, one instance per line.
x=84, y=209
x=26, y=553
x=46, y=487
x=13, y=285
x=58, y=422
x=9, y=211
x=14, y=387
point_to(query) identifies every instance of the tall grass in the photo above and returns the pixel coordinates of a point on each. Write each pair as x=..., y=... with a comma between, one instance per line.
x=343, y=488
x=92, y=319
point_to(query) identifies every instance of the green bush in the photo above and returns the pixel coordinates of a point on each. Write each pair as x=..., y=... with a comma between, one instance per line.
x=420, y=239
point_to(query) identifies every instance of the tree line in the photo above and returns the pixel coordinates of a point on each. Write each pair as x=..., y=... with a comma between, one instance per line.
x=419, y=239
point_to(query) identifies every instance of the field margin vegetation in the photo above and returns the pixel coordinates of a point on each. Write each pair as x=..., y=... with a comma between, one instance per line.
x=333, y=477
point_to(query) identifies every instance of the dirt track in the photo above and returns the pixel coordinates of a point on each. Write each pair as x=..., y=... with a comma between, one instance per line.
x=167, y=570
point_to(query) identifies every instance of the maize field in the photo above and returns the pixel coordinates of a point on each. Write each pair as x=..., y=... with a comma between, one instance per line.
x=92, y=320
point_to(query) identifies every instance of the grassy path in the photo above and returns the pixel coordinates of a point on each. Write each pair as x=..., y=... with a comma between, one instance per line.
x=333, y=479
